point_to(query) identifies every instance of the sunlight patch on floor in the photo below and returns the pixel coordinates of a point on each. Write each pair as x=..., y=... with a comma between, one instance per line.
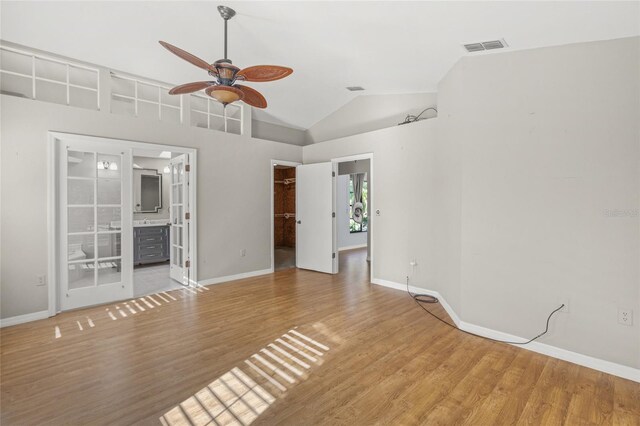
x=235, y=398
x=127, y=309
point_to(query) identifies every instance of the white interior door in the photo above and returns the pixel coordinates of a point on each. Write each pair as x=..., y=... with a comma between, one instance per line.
x=180, y=218
x=315, y=212
x=95, y=224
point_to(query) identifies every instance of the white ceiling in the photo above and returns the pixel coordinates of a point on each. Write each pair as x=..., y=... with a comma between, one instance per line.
x=386, y=47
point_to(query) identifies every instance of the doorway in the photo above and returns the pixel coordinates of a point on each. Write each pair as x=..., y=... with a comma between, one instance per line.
x=284, y=215
x=352, y=204
x=158, y=202
x=114, y=206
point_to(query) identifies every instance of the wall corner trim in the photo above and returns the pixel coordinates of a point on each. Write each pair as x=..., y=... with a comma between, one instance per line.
x=608, y=367
x=220, y=280
x=20, y=319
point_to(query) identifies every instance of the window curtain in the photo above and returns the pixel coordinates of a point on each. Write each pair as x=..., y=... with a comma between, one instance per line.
x=358, y=183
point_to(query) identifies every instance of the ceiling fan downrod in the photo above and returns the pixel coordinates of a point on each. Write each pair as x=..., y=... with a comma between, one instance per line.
x=226, y=13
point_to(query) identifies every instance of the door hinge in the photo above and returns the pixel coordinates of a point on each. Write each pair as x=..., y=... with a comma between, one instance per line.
x=187, y=167
x=187, y=216
x=187, y=264
x=333, y=214
x=333, y=174
x=333, y=255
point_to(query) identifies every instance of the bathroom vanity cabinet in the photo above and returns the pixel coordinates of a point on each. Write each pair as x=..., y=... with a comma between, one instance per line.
x=150, y=244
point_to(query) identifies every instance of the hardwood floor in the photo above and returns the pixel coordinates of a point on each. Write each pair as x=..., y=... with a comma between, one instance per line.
x=364, y=355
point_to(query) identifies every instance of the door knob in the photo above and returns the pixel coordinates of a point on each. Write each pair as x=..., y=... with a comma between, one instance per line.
x=299, y=222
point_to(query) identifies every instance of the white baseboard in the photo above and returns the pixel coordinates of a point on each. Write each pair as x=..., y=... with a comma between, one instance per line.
x=417, y=290
x=20, y=319
x=352, y=247
x=608, y=367
x=555, y=352
x=220, y=280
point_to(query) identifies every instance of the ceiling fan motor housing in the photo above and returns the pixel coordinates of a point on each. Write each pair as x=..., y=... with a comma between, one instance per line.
x=226, y=72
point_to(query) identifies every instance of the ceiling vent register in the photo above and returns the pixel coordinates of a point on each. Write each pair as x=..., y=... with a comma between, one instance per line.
x=485, y=45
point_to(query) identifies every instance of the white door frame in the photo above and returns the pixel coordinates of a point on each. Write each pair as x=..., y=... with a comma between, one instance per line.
x=371, y=189
x=272, y=219
x=53, y=235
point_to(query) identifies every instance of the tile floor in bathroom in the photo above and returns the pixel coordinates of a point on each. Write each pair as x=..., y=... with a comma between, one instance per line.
x=148, y=279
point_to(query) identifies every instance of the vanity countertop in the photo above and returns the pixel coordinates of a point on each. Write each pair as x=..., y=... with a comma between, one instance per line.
x=141, y=224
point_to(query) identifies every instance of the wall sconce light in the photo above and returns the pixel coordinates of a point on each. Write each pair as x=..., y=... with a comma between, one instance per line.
x=107, y=165
x=166, y=170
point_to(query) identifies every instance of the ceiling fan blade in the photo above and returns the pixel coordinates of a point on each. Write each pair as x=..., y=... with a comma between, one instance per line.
x=188, y=57
x=261, y=73
x=190, y=87
x=252, y=96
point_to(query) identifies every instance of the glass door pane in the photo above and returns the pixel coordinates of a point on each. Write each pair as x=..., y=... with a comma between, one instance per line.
x=94, y=211
x=81, y=275
x=109, y=205
x=179, y=254
x=81, y=172
x=95, y=222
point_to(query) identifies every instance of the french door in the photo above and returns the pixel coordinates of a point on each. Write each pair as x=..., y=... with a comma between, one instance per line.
x=316, y=220
x=95, y=208
x=180, y=217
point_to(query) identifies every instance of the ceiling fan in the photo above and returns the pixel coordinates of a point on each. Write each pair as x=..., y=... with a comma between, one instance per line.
x=224, y=88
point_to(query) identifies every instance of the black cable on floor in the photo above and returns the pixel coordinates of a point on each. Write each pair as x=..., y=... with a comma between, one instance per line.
x=425, y=298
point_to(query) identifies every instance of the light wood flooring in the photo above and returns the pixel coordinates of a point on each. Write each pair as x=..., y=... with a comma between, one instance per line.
x=295, y=347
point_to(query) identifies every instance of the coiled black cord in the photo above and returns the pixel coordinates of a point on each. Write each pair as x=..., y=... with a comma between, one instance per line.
x=412, y=118
x=425, y=298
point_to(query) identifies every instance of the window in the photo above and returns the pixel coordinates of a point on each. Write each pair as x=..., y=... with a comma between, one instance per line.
x=353, y=225
x=33, y=76
x=139, y=98
x=210, y=114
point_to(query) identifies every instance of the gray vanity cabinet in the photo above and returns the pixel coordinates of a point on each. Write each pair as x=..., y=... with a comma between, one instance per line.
x=150, y=244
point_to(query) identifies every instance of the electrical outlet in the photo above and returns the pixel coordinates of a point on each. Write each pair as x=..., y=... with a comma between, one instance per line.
x=625, y=316
x=243, y=252
x=42, y=280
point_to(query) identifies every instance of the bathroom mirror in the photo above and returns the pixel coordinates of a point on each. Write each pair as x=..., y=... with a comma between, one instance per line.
x=147, y=191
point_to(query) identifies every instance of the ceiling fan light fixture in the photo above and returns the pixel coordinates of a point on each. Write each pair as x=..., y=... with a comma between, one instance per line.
x=225, y=94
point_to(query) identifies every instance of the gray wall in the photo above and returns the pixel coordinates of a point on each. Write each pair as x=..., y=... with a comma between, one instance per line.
x=277, y=133
x=543, y=146
x=366, y=113
x=355, y=166
x=400, y=190
x=523, y=194
x=233, y=192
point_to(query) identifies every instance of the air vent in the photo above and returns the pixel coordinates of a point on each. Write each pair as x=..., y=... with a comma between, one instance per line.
x=485, y=45
x=495, y=44
x=474, y=47
x=354, y=88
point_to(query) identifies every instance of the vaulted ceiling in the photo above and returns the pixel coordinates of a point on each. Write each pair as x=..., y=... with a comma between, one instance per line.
x=386, y=47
